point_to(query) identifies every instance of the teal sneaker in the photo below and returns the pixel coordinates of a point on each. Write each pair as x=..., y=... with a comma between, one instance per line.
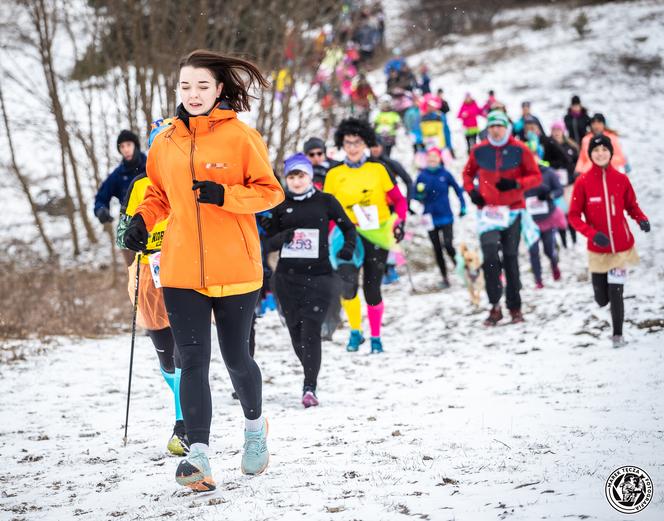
x=255, y=457
x=194, y=472
x=376, y=345
x=356, y=339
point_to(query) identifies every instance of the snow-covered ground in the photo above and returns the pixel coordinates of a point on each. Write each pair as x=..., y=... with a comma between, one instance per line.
x=454, y=421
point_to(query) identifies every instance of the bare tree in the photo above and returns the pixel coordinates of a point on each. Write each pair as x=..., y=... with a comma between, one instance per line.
x=23, y=181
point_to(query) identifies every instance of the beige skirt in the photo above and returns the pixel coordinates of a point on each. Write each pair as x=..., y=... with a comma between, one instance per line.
x=603, y=262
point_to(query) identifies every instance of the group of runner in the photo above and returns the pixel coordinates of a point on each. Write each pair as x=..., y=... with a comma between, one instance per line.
x=208, y=210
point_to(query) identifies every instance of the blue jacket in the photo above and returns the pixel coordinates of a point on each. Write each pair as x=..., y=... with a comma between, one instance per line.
x=118, y=181
x=432, y=188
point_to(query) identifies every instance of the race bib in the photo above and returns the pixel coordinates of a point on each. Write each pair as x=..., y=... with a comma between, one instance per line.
x=495, y=216
x=617, y=276
x=427, y=222
x=536, y=207
x=367, y=217
x=563, y=176
x=304, y=245
x=154, y=261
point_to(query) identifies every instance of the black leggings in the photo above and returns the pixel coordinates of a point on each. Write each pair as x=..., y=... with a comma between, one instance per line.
x=375, y=259
x=189, y=313
x=606, y=293
x=563, y=235
x=304, y=301
x=447, y=231
x=164, y=345
x=471, y=139
x=506, y=240
x=548, y=240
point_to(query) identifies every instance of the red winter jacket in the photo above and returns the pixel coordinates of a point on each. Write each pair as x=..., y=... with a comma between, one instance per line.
x=603, y=196
x=514, y=160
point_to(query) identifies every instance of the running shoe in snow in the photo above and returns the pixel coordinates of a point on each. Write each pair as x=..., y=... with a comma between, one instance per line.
x=539, y=284
x=356, y=339
x=376, y=345
x=194, y=472
x=517, y=316
x=309, y=398
x=391, y=275
x=255, y=457
x=445, y=284
x=178, y=445
x=495, y=316
x=556, y=273
x=618, y=341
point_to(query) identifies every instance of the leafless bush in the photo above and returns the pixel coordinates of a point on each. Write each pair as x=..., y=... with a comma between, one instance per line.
x=641, y=65
x=42, y=300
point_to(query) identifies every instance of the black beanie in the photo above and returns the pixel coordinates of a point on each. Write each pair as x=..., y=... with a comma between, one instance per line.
x=576, y=100
x=313, y=143
x=128, y=135
x=600, y=140
x=599, y=117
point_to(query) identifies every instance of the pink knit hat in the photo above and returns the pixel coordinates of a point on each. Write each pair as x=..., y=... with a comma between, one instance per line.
x=558, y=125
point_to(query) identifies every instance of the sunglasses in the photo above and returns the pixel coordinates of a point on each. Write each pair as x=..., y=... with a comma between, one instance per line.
x=315, y=154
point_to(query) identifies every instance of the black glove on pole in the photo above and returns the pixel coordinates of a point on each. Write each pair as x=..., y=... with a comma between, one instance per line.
x=133, y=341
x=136, y=236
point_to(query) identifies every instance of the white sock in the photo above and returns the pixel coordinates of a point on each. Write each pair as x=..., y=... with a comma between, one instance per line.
x=199, y=447
x=254, y=425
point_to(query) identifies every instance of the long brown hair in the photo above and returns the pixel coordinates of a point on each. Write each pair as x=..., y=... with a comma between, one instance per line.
x=237, y=75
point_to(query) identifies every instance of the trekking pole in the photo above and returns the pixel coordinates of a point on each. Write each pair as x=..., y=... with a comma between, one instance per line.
x=133, y=340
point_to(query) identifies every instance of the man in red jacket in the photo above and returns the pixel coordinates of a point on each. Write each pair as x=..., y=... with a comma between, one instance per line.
x=498, y=172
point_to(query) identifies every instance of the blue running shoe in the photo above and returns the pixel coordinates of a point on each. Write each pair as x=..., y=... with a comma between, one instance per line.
x=376, y=345
x=356, y=339
x=194, y=472
x=255, y=457
x=391, y=275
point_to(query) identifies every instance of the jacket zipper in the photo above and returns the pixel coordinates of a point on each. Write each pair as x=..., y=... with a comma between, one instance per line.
x=608, y=213
x=198, y=208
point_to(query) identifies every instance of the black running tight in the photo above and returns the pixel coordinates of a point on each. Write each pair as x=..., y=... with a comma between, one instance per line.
x=164, y=345
x=189, y=314
x=375, y=259
x=612, y=294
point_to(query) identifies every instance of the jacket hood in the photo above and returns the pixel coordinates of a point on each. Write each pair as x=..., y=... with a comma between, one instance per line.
x=185, y=123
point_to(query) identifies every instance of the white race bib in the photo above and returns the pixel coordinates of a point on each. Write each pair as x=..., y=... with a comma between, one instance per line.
x=495, y=216
x=536, y=207
x=304, y=245
x=427, y=222
x=563, y=176
x=617, y=276
x=155, y=260
x=367, y=217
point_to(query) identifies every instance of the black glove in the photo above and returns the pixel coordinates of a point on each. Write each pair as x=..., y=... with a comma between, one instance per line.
x=346, y=252
x=476, y=198
x=266, y=223
x=544, y=196
x=103, y=215
x=136, y=236
x=210, y=192
x=601, y=239
x=505, y=184
x=399, y=231
x=645, y=226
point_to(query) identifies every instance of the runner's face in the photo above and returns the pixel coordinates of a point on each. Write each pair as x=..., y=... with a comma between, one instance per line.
x=198, y=90
x=597, y=127
x=433, y=160
x=497, y=132
x=601, y=156
x=557, y=134
x=376, y=151
x=298, y=182
x=354, y=148
x=316, y=156
x=127, y=149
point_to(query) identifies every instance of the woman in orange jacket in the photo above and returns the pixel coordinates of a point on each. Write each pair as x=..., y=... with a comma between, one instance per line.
x=210, y=174
x=598, y=127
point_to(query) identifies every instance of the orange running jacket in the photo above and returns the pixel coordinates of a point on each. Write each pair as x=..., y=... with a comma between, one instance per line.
x=207, y=245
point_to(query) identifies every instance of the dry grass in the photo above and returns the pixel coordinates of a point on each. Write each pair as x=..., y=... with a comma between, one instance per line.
x=41, y=300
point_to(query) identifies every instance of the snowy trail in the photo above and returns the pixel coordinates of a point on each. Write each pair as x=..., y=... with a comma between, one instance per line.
x=449, y=424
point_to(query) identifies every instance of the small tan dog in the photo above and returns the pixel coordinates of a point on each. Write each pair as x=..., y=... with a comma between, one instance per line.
x=472, y=274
